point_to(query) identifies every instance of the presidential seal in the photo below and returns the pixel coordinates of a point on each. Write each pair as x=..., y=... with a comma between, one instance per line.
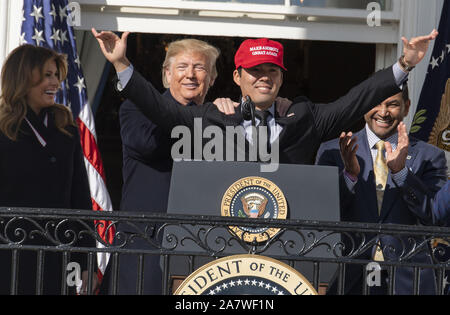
x=246, y=275
x=254, y=197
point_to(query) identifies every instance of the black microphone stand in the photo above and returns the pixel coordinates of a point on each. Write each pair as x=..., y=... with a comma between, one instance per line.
x=248, y=109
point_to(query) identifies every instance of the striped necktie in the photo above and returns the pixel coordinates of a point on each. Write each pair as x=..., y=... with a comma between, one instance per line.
x=263, y=117
x=381, y=173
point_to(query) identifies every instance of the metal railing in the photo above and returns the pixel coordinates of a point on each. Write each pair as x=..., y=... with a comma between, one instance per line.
x=340, y=244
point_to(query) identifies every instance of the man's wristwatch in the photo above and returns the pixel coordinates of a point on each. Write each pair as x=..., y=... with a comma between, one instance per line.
x=404, y=65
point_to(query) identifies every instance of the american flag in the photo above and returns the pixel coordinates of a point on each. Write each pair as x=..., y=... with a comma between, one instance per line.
x=433, y=107
x=47, y=23
x=432, y=119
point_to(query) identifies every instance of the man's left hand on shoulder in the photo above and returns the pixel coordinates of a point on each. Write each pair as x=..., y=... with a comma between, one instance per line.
x=227, y=106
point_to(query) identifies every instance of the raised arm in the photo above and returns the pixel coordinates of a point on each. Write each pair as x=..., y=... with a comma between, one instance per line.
x=114, y=48
x=415, y=49
x=334, y=117
x=141, y=92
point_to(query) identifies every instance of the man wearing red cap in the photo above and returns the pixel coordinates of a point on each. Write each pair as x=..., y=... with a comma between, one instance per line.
x=259, y=74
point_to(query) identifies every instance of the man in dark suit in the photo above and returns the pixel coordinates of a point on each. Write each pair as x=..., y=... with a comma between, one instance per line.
x=259, y=65
x=441, y=205
x=386, y=177
x=189, y=70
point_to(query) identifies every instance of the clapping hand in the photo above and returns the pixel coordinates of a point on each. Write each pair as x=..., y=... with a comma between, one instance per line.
x=348, y=148
x=396, y=160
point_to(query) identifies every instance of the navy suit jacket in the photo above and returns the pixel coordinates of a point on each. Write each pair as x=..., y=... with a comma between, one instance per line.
x=34, y=176
x=441, y=205
x=147, y=162
x=426, y=166
x=147, y=170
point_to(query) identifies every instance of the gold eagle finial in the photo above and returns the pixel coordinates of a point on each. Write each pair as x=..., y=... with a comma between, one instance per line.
x=440, y=134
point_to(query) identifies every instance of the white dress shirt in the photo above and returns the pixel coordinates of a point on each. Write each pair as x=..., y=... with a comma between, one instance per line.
x=275, y=129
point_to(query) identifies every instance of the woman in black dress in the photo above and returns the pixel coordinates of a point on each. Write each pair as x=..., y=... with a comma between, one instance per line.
x=41, y=166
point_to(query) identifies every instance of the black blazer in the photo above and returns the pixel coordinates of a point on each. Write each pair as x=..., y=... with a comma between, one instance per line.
x=307, y=126
x=47, y=177
x=147, y=163
x=42, y=177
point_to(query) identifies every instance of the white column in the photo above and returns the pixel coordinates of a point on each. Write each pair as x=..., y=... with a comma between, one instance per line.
x=3, y=26
x=10, y=25
x=418, y=17
x=386, y=55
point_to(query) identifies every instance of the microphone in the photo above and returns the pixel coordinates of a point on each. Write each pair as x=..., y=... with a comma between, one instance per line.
x=248, y=109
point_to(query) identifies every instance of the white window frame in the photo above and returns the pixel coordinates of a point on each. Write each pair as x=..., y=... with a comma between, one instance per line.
x=240, y=20
x=406, y=18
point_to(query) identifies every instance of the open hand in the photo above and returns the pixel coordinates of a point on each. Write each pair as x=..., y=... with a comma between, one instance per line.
x=396, y=160
x=348, y=148
x=282, y=105
x=114, y=48
x=416, y=48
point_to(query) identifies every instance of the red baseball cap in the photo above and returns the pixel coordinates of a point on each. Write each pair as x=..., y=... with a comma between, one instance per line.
x=253, y=52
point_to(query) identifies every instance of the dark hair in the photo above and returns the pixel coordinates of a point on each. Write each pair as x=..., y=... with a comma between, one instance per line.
x=405, y=92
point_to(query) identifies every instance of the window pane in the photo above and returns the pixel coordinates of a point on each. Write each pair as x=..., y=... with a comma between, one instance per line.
x=245, y=1
x=342, y=4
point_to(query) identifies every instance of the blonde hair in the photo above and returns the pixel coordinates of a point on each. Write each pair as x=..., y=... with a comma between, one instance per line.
x=190, y=45
x=17, y=80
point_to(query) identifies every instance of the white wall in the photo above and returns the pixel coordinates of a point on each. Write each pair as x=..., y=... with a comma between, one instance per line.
x=10, y=24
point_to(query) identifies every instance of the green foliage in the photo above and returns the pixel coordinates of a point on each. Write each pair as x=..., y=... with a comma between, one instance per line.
x=415, y=129
x=419, y=119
